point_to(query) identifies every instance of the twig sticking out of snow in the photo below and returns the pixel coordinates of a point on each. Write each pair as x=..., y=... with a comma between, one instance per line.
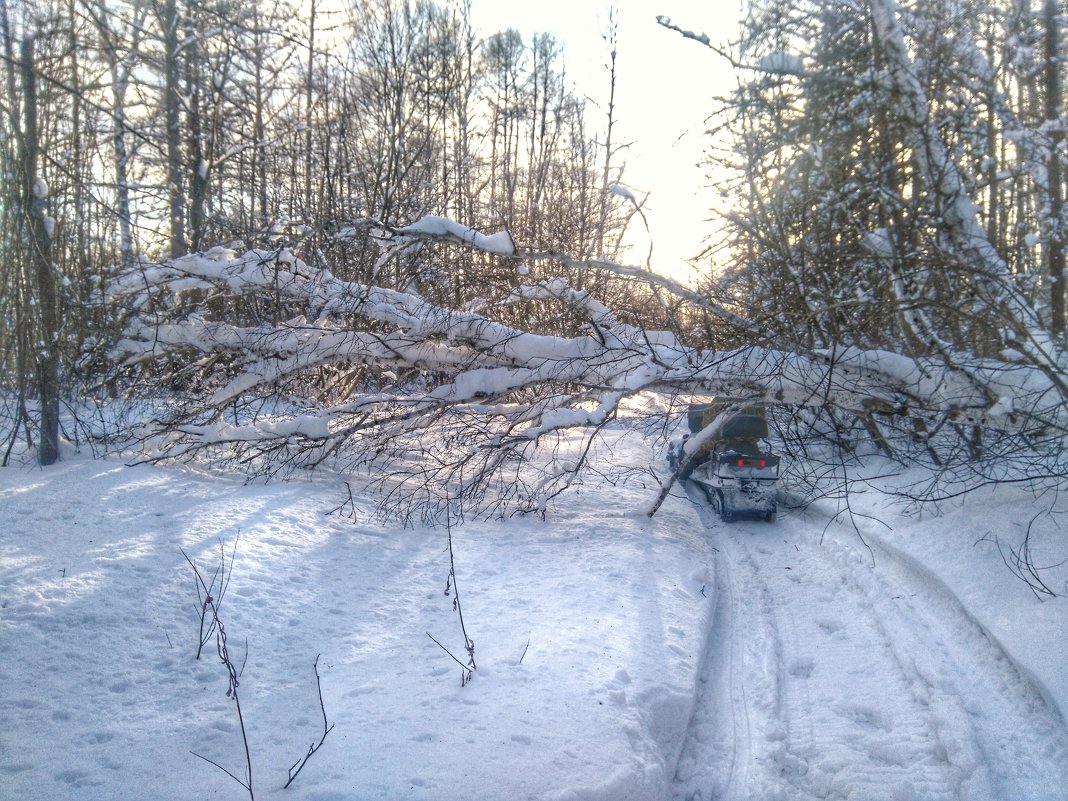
x=205, y=592
x=1021, y=563
x=298, y=766
x=451, y=589
x=209, y=603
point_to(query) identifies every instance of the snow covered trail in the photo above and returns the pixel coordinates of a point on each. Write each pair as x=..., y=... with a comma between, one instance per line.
x=835, y=672
x=823, y=676
x=589, y=625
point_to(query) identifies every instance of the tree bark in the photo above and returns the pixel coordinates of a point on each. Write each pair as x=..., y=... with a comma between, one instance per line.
x=606, y=170
x=172, y=112
x=1054, y=112
x=38, y=240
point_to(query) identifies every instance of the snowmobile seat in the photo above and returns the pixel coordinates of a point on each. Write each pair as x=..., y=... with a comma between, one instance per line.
x=744, y=427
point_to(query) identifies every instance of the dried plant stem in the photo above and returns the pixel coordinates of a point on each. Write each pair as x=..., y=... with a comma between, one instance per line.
x=298, y=766
x=206, y=590
x=469, y=667
x=210, y=610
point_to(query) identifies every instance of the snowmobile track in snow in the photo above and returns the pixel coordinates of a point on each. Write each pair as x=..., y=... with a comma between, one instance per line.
x=835, y=672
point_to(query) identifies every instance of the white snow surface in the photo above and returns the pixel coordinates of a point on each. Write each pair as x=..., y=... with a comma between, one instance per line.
x=623, y=191
x=617, y=657
x=779, y=63
x=499, y=242
x=40, y=187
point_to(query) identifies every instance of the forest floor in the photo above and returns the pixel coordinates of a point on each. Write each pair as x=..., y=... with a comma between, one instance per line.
x=617, y=657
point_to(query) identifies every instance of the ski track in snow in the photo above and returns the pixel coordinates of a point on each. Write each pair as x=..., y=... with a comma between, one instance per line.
x=827, y=670
x=835, y=672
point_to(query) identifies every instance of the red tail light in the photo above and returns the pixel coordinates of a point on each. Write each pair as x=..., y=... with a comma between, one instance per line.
x=761, y=463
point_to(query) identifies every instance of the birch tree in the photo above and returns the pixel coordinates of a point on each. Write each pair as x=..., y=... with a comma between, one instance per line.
x=31, y=274
x=120, y=50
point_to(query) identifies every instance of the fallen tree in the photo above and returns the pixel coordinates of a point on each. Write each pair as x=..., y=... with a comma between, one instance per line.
x=434, y=400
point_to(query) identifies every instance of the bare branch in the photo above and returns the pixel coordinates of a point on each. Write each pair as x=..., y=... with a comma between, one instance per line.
x=298, y=766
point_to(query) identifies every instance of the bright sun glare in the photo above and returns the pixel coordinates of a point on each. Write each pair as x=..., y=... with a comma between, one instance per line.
x=664, y=92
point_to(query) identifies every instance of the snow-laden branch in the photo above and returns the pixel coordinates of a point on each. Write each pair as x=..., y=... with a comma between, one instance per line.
x=442, y=227
x=395, y=240
x=426, y=396
x=778, y=63
x=480, y=359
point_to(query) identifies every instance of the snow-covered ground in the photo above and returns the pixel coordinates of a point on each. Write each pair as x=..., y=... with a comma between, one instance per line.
x=617, y=657
x=845, y=670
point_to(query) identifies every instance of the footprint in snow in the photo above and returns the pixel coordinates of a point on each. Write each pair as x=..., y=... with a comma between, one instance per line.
x=830, y=626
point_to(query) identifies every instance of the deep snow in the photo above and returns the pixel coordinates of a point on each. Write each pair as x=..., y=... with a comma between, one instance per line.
x=613, y=651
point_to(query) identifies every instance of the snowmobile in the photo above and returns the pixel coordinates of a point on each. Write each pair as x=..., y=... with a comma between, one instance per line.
x=722, y=455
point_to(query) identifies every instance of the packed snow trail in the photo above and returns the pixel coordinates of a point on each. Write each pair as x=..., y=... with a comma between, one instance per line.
x=839, y=672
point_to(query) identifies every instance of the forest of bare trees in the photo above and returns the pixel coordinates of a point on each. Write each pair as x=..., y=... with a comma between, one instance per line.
x=320, y=234
x=167, y=127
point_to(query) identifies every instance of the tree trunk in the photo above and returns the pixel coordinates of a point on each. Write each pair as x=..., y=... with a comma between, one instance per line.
x=172, y=112
x=198, y=157
x=258, y=217
x=1054, y=111
x=38, y=240
x=120, y=82
x=606, y=169
x=309, y=100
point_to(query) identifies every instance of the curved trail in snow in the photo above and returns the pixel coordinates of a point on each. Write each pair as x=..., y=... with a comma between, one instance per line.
x=835, y=672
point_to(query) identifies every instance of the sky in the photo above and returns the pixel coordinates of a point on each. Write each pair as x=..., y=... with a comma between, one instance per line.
x=666, y=87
